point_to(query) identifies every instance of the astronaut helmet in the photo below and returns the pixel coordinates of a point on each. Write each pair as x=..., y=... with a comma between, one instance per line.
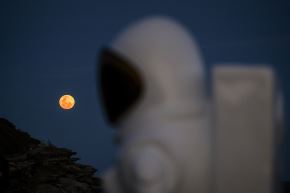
x=152, y=86
x=151, y=71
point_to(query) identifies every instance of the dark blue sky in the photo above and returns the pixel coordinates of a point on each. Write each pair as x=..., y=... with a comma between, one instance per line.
x=48, y=48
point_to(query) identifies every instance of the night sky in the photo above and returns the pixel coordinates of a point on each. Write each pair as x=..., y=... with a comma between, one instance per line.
x=49, y=48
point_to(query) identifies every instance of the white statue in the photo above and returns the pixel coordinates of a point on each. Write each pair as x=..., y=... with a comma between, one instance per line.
x=152, y=82
x=153, y=88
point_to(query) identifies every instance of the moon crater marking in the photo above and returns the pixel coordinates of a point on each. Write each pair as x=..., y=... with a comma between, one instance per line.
x=66, y=102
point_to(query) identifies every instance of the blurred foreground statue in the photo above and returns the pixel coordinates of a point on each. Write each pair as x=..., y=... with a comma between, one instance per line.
x=152, y=85
x=153, y=89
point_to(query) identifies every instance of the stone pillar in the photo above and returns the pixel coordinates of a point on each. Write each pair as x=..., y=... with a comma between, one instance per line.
x=244, y=129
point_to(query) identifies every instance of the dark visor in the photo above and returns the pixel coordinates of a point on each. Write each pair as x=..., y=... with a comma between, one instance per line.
x=121, y=84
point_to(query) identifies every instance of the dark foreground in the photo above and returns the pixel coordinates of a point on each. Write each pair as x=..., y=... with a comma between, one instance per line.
x=30, y=166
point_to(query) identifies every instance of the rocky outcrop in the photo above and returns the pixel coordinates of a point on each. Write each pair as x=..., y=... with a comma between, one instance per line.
x=36, y=167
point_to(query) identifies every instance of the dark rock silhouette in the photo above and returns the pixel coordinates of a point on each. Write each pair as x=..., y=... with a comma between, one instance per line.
x=30, y=166
x=4, y=174
x=13, y=140
x=287, y=187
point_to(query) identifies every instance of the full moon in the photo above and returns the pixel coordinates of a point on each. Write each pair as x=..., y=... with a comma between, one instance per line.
x=66, y=102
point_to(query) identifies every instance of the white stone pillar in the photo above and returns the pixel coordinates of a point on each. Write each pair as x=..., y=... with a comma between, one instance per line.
x=244, y=129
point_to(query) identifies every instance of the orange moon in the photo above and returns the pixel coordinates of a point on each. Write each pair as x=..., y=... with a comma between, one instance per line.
x=66, y=102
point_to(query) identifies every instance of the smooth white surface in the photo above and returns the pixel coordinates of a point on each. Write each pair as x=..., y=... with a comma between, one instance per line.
x=165, y=137
x=244, y=130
